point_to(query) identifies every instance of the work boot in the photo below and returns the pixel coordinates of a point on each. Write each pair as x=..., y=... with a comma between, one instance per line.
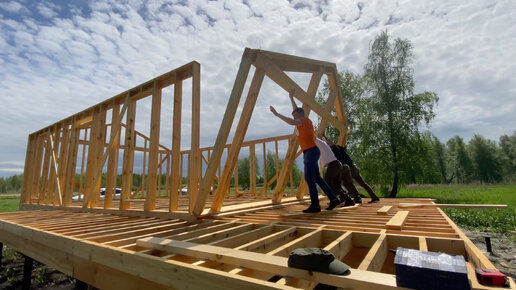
x=358, y=200
x=311, y=209
x=333, y=204
x=373, y=200
x=348, y=201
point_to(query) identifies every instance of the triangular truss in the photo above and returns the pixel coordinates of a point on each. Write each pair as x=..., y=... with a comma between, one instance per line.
x=274, y=66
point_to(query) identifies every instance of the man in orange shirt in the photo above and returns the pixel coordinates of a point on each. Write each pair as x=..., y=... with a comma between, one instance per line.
x=306, y=140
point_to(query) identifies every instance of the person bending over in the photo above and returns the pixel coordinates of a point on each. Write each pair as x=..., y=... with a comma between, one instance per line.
x=351, y=171
x=333, y=174
x=306, y=140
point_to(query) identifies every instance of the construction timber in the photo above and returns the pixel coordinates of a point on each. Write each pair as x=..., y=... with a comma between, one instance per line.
x=214, y=236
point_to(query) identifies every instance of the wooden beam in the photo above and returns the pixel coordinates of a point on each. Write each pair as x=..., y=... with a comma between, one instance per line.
x=375, y=258
x=127, y=170
x=397, y=221
x=55, y=168
x=333, y=80
x=176, y=170
x=384, y=210
x=234, y=149
x=222, y=136
x=272, y=264
x=71, y=165
x=112, y=166
x=194, y=175
x=150, y=203
x=28, y=171
x=284, y=81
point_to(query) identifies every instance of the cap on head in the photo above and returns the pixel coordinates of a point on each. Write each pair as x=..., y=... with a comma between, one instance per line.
x=317, y=259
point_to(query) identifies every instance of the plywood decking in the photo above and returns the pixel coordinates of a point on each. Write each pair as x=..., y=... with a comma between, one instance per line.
x=141, y=252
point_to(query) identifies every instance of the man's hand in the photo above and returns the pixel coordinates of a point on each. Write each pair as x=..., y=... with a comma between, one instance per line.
x=273, y=110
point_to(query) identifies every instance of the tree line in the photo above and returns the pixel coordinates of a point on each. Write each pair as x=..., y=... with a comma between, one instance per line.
x=386, y=121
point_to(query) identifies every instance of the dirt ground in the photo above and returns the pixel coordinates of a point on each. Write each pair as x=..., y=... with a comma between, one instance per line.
x=503, y=257
x=503, y=247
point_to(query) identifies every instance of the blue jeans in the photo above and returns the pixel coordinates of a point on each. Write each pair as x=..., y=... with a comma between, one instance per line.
x=312, y=176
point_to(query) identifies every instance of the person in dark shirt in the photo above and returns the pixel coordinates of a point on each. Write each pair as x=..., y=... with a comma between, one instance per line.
x=350, y=171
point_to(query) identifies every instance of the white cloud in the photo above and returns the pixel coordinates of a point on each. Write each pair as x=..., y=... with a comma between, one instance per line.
x=55, y=64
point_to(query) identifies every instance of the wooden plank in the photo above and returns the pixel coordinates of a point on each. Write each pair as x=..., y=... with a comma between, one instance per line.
x=234, y=149
x=252, y=168
x=28, y=171
x=176, y=170
x=272, y=264
x=375, y=258
x=46, y=167
x=384, y=210
x=225, y=128
x=429, y=205
x=112, y=166
x=55, y=175
x=150, y=203
x=397, y=221
x=71, y=165
x=194, y=166
x=130, y=141
x=333, y=81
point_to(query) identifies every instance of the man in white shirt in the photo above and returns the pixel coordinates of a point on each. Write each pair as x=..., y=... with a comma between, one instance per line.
x=333, y=174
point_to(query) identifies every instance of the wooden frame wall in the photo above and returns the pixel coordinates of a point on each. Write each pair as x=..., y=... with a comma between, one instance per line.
x=274, y=66
x=53, y=152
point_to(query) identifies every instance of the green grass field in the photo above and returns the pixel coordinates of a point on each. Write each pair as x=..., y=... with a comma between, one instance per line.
x=497, y=220
x=9, y=203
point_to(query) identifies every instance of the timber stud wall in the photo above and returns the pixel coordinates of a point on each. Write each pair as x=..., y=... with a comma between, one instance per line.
x=54, y=153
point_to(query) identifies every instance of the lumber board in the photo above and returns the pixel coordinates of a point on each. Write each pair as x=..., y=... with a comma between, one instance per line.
x=194, y=166
x=234, y=149
x=453, y=205
x=176, y=144
x=384, y=210
x=150, y=203
x=222, y=136
x=398, y=220
x=273, y=264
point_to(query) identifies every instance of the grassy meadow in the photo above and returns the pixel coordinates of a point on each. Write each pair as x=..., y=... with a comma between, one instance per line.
x=9, y=202
x=497, y=220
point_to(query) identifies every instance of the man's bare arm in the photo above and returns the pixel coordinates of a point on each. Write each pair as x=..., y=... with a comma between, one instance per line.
x=285, y=119
x=291, y=96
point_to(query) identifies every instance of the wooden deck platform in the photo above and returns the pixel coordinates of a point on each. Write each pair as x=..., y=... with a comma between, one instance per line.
x=245, y=245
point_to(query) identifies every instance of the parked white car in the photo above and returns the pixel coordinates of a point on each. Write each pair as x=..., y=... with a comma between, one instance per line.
x=118, y=192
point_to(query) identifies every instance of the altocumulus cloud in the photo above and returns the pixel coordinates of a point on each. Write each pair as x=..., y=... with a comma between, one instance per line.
x=60, y=57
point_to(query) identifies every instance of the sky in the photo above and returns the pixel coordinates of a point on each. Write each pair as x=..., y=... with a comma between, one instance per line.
x=60, y=57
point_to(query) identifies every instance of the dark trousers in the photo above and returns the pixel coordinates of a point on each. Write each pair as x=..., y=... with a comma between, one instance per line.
x=333, y=176
x=312, y=176
x=354, y=173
